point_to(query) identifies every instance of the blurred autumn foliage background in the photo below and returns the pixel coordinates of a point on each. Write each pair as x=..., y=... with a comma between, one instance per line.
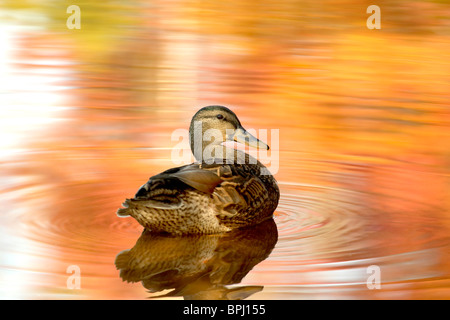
x=87, y=115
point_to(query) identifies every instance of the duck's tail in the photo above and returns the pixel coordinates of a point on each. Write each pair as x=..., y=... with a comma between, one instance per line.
x=131, y=204
x=124, y=212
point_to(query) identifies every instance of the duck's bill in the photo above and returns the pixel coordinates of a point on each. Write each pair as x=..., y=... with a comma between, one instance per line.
x=243, y=136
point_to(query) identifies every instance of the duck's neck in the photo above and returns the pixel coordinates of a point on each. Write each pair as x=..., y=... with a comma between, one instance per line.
x=206, y=143
x=203, y=150
x=209, y=153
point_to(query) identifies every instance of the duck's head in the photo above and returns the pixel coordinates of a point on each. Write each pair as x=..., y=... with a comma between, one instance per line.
x=213, y=125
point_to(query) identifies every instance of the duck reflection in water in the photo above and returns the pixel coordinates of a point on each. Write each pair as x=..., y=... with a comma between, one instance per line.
x=198, y=267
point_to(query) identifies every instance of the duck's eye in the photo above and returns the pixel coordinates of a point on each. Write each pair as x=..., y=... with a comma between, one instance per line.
x=219, y=116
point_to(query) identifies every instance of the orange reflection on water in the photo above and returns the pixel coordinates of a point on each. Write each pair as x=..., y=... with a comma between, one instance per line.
x=362, y=114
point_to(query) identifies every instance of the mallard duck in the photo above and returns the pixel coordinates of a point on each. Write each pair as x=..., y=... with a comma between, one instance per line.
x=223, y=190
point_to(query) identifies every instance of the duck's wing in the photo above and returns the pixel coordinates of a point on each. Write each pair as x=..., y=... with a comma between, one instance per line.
x=242, y=193
x=198, y=178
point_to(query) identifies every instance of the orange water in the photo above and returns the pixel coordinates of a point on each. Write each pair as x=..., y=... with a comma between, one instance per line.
x=364, y=126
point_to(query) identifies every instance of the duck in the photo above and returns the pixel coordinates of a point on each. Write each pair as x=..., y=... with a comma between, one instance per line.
x=224, y=189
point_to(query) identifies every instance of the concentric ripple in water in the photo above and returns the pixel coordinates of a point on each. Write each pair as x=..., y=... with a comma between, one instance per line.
x=328, y=236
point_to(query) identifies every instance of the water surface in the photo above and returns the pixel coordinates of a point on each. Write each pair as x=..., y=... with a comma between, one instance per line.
x=364, y=123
